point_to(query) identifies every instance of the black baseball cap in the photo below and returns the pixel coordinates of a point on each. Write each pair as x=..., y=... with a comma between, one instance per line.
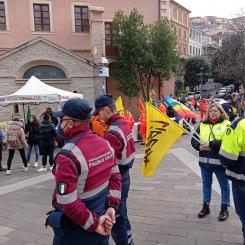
x=78, y=109
x=102, y=101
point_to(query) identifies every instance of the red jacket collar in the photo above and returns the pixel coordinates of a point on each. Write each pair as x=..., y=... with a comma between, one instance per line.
x=74, y=132
x=114, y=118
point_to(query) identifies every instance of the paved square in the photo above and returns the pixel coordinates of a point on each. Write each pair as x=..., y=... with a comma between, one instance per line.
x=163, y=208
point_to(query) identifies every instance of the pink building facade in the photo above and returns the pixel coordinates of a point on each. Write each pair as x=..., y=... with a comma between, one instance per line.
x=61, y=42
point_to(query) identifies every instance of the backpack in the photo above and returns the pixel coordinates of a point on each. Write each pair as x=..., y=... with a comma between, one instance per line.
x=12, y=141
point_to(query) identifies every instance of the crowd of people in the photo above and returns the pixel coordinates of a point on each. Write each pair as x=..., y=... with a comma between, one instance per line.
x=40, y=136
x=92, y=170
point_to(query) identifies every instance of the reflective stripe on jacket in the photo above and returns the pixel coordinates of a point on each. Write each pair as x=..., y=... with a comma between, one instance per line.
x=232, y=152
x=87, y=178
x=210, y=157
x=121, y=139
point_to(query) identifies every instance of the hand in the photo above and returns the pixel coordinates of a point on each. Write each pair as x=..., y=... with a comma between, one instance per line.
x=109, y=223
x=101, y=229
x=111, y=212
x=204, y=146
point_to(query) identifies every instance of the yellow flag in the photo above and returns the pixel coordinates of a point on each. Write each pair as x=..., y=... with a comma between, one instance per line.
x=119, y=106
x=161, y=134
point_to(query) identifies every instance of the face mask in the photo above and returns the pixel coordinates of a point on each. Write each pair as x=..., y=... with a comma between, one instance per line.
x=60, y=131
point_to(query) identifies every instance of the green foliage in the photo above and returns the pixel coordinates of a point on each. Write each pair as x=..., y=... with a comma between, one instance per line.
x=146, y=52
x=194, y=67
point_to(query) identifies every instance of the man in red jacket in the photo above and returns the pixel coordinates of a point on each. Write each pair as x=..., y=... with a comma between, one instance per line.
x=88, y=181
x=121, y=139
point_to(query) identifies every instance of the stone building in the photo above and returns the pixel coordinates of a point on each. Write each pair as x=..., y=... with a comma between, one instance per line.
x=62, y=43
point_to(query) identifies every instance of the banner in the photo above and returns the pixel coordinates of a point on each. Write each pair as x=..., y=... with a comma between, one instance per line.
x=119, y=106
x=161, y=135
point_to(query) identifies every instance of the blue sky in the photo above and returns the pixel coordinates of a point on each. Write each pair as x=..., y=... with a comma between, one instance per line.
x=220, y=8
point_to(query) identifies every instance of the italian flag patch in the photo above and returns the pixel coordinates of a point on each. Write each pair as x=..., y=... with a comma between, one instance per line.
x=62, y=188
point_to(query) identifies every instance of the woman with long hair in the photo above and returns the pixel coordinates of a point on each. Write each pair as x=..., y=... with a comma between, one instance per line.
x=211, y=132
x=32, y=135
x=16, y=141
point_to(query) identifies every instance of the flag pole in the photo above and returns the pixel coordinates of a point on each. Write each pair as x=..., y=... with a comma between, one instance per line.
x=192, y=136
x=192, y=128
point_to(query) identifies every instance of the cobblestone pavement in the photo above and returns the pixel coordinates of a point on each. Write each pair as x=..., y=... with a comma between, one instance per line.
x=163, y=208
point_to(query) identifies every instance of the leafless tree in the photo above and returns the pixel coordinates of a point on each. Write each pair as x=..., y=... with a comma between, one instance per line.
x=229, y=61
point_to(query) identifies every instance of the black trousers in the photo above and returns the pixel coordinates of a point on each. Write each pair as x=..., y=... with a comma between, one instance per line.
x=49, y=153
x=11, y=155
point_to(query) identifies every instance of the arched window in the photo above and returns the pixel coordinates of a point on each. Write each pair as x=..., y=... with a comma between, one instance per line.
x=44, y=72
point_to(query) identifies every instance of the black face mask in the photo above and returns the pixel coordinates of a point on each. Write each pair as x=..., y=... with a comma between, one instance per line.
x=60, y=130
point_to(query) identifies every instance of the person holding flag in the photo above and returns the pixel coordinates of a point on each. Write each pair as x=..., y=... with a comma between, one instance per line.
x=211, y=132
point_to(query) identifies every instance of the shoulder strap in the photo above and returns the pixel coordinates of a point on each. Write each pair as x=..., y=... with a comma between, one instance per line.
x=212, y=133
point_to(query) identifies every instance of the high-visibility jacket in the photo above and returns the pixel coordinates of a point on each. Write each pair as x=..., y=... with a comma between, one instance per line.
x=129, y=119
x=218, y=130
x=203, y=105
x=232, y=152
x=98, y=125
x=142, y=120
x=161, y=108
x=87, y=178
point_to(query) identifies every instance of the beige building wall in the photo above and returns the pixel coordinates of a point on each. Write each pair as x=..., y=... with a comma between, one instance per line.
x=179, y=16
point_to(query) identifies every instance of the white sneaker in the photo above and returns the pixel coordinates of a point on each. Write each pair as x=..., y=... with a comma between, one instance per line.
x=28, y=164
x=26, y=169
x=35, y=165
x=51, y=168
x=8, y=172
x=43, y=169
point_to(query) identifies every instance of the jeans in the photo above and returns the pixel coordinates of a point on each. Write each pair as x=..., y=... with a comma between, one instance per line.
x=121, y=231
x=207, y=179
x=11, y=155
x=29, y=150
x=238, y=190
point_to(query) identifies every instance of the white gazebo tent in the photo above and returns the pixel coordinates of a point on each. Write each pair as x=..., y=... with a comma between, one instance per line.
x=36, y=91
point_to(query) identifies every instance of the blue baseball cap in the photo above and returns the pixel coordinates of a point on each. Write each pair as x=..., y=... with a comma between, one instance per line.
x=78, y=109
x=103, y=100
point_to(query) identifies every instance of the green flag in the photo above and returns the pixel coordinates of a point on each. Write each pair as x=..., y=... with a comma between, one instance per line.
x=28, y=114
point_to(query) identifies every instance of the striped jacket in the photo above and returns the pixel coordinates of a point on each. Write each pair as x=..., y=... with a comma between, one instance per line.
x=232, y=152
x=121, y=139
x=210, y=158
x=87, y=178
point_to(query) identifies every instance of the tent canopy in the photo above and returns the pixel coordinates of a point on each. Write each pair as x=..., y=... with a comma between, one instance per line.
x=36, y=91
